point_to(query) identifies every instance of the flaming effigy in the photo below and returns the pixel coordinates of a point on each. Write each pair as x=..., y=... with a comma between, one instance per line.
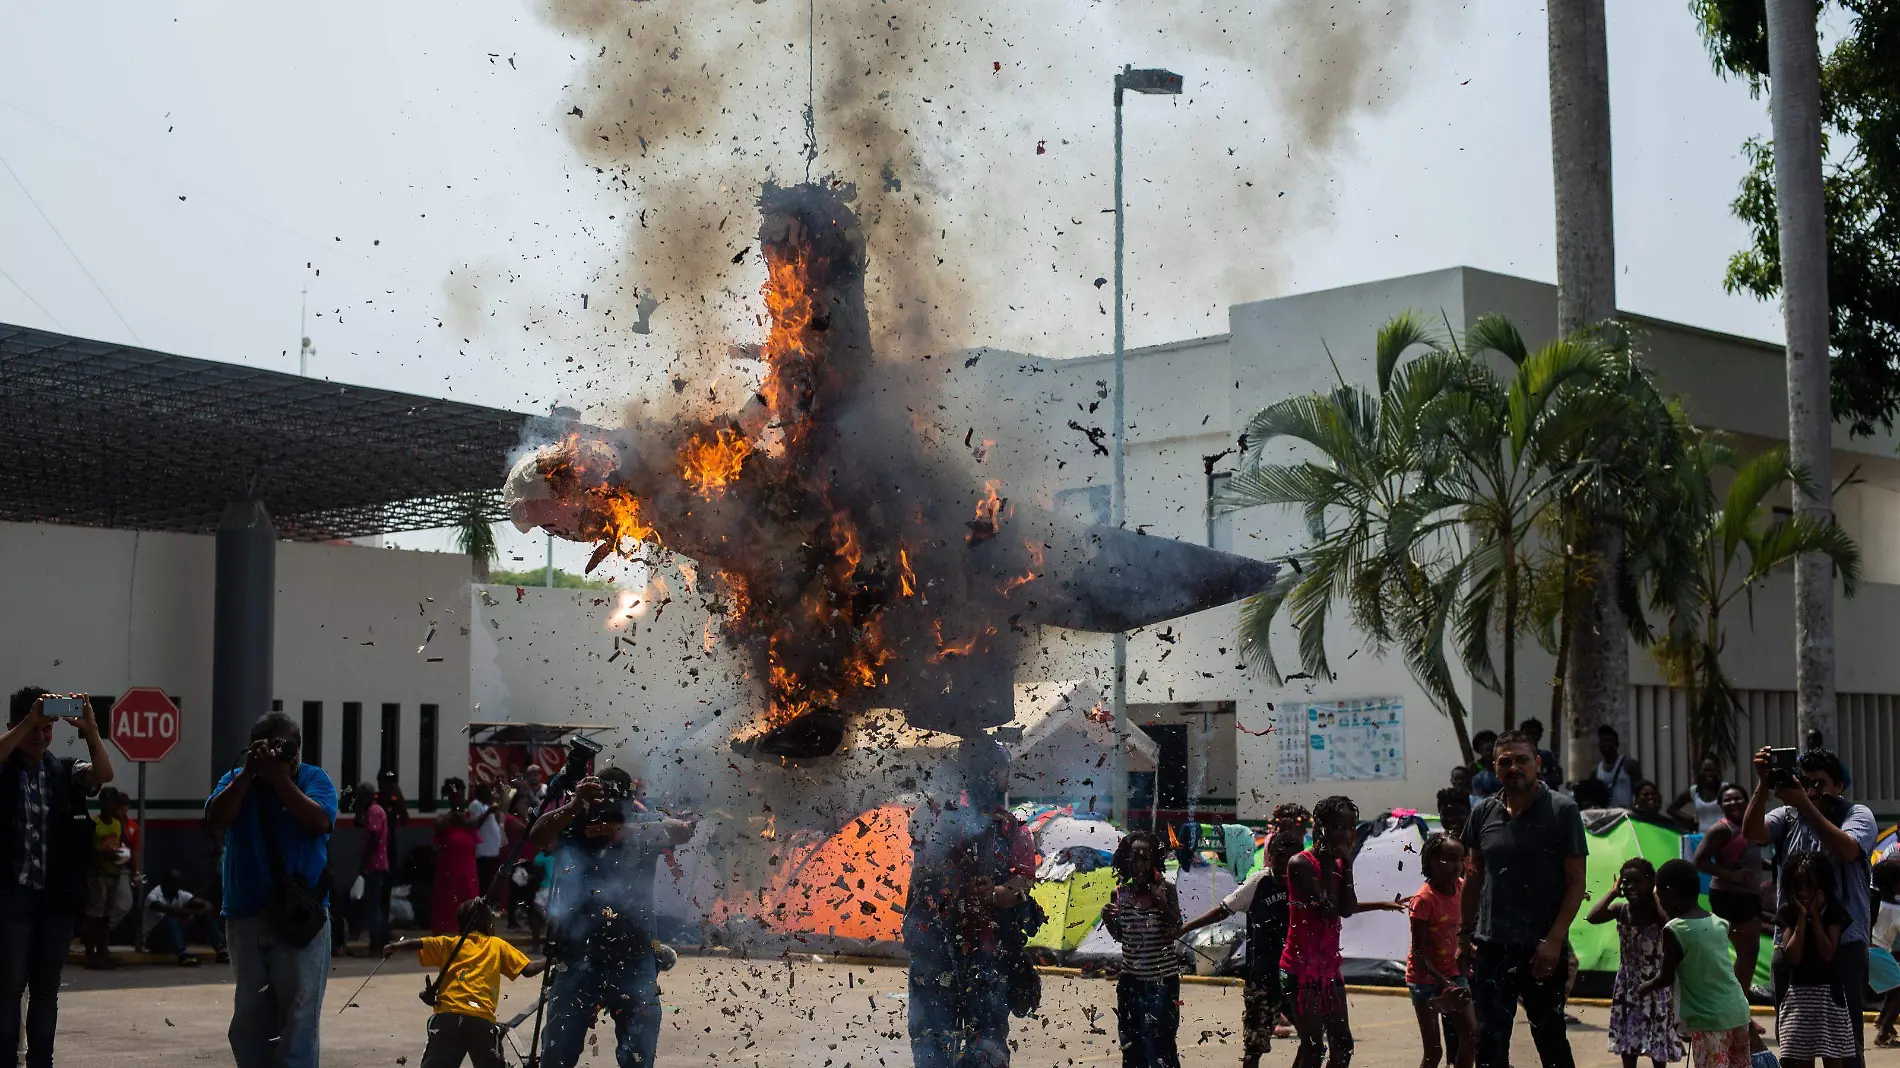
x=852, y=564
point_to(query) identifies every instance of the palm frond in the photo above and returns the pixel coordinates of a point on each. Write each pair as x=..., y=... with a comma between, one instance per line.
x=1494, y=333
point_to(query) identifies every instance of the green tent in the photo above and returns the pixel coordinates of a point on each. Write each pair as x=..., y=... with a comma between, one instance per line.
x=1596, y=945
x=1073, y=907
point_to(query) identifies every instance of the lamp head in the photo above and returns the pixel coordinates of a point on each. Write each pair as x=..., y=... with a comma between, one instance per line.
x=1151, y=80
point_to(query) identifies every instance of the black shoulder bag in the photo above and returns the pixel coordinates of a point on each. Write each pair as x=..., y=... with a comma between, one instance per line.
x=293, y=908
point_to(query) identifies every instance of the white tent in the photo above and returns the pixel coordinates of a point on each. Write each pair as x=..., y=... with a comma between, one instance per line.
x=1063, y=743
x=1198, y=888
x=1064, y=832
x=1387, y=868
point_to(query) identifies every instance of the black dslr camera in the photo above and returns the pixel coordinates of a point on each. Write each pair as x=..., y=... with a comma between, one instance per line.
x=1781, y=769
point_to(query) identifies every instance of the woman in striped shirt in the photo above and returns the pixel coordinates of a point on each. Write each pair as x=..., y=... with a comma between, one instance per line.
x=1142, y=914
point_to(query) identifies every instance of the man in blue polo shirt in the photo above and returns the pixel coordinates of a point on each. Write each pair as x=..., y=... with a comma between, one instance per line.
x=276, y=813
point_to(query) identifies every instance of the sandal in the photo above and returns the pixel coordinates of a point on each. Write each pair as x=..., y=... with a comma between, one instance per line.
x=1887, y=1040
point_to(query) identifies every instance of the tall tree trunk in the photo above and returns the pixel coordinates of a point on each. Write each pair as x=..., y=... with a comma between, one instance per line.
x=1596, y=675
x=1596, y=682
x=1510, y=629
x=1794, y=69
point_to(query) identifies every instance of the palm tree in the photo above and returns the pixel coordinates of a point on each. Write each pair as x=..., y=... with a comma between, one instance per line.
x=1515, y=440
x=1373, y=454
x=1425, y=504
x=1736, y=546
x=475, y=537
x=1794, y=72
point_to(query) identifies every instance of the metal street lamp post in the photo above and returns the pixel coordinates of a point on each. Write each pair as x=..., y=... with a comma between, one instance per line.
x=1153, y=81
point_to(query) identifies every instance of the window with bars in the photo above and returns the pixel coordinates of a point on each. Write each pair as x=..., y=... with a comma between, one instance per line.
x=313, y=736
x=350, y=760
x=427, y=718
x=1865, y=726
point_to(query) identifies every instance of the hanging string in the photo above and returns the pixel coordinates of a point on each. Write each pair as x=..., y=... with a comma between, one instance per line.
x=811, y=86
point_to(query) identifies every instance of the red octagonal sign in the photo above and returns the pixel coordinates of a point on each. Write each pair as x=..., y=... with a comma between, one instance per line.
x=144, y=724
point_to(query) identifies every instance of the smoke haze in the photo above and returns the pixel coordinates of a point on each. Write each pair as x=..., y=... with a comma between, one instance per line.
x=979, y=138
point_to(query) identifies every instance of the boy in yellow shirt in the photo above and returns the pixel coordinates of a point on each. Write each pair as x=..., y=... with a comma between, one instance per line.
x=464, y=1021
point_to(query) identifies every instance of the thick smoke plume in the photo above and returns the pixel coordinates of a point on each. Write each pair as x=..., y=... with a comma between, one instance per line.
x=978, y=136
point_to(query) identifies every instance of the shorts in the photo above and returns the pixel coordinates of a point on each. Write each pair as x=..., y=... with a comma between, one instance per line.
x=1423, y=994
x=1735, y=906
x=1261, y=1009
x=109, y=897
x=1315, y=995
x=1720, y=1049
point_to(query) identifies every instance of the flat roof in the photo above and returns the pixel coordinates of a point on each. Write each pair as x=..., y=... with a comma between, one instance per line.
x=99, y=434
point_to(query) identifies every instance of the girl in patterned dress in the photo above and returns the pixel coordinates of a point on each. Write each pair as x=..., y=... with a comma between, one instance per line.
x=1642, y=1024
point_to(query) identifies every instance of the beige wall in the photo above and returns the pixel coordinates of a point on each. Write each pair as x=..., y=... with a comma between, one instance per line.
x=104, y=610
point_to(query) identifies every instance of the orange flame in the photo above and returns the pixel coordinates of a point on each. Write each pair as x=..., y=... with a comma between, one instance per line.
x=790, y=366
x=906, y=578
x=709, y=466
x=1013, y=583
x=962, y=648
x=990, y=513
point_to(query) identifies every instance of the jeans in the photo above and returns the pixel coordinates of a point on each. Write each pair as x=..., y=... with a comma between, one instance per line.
x=630, y=992
x=1149, y=1018
x=1501, y=977
x=453, y=1036
x=35, y=933
x=374, y=920
x=959, y=1003
x=279, y=1004
x=169, y=934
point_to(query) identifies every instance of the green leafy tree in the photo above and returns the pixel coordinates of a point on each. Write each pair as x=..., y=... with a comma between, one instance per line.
x=475, y=538
x=1738, y=540
x=1860, y=111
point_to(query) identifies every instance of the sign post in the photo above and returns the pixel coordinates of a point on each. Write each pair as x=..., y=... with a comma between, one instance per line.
x=144, y=725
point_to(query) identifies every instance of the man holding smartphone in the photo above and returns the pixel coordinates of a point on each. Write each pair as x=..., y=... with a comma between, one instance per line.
x=45, y=858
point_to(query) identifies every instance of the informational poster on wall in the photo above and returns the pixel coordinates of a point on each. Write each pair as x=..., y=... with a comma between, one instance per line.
x=1355, y=740
x=1292, y=748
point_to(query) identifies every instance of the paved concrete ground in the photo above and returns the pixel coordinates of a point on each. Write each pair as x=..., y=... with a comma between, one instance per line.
x=718, y=1012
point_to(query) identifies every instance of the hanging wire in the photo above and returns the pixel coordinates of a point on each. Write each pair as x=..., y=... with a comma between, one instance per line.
x=811, y=86
x=83, y=269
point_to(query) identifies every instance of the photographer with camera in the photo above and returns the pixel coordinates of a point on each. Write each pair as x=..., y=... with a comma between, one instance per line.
x=601, y=919
x=964, y=925
x=276, y=813
x=45, y=858
x=1814, y=818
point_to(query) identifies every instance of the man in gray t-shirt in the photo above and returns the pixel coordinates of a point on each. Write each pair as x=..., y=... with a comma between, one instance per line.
x=1815, y=818
x=1526, y=865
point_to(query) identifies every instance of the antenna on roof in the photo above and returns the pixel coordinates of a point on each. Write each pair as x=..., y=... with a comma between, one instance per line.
x=305, y=350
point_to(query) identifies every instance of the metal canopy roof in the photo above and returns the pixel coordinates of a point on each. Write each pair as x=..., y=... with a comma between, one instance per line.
x=104, y=435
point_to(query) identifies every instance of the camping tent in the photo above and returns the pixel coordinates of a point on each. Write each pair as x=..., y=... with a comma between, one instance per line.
x=1073, y=907
x=852, y=886
x=1887, y=845
x=1612, y=846
x=1387, y=867
x=1061, y=833
x=1198, y=888
x=1061, y=749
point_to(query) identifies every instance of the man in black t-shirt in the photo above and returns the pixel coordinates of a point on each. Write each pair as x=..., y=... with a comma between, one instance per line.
x=1525, y=884
x=600, y=914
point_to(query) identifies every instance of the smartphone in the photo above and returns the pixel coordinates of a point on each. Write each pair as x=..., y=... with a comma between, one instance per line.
x=1781, y=767
x=61, y=707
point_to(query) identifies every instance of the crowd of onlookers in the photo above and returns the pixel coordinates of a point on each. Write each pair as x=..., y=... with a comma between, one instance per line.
x=1503, y=882
x=69, y=868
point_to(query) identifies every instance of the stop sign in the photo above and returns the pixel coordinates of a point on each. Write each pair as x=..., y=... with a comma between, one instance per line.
x=144, y=724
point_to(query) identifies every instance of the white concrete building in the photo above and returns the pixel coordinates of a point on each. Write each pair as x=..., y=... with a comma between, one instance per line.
x=1188, y=401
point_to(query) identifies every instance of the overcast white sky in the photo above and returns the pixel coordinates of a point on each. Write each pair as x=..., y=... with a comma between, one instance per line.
x=197, y=165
